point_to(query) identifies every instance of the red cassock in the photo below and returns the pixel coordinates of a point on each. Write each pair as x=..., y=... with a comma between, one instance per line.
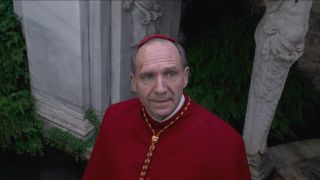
x=198, y=146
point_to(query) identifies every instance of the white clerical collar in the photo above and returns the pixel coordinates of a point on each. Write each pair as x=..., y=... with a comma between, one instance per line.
x=174, y=112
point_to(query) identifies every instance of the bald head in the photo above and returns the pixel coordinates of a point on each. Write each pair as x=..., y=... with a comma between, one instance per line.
x=175, y=47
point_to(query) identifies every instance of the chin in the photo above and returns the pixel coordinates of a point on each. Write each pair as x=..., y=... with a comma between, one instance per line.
x=163, y=115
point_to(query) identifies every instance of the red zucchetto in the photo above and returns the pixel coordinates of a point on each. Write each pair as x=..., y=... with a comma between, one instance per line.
x=153, y=36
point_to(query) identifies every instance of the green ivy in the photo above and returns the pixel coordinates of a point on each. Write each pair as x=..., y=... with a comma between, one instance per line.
x=65, y=141
x=94, y=120
x=221, y=63
x=20, y=128
x=57, y=138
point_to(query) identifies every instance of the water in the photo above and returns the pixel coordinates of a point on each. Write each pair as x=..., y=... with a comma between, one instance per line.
x=54, y=165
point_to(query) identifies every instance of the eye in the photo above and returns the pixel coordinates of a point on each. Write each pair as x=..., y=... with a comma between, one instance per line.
x=147, y=77
x=171, y=73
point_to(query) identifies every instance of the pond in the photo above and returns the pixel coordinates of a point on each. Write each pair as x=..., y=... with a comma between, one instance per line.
x=53, y=165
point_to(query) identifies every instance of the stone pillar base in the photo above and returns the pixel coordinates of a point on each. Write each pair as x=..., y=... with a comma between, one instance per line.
x=261, y=166
x=56, y=114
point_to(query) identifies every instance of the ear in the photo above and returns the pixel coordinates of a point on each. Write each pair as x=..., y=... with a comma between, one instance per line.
x=186, y=76
x=133, y=82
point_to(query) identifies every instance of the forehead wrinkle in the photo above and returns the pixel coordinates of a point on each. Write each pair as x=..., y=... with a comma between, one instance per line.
x=159, y=61
x=150, y=54
x=154, y=56
x=147, y=64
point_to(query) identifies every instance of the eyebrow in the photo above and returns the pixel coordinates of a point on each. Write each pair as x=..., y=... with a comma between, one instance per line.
x=173, y=68
x=146, y=73
x=165, y=69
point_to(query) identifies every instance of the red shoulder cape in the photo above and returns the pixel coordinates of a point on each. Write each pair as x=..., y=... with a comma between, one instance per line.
x=198, y=146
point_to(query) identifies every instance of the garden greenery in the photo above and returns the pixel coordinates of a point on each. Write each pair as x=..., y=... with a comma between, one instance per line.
x=20, y=129
x=220, y=62
x=220, y=65
x=76, y=147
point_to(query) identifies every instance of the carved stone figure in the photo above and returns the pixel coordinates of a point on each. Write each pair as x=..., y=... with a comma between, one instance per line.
x=145, y=16
x=279, y=43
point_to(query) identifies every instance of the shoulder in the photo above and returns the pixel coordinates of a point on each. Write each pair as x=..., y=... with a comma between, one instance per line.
x=214, y=125
x=124, y=105
x=123, y=108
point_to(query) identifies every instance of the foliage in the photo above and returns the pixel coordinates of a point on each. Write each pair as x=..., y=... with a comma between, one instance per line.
x=93, y=119
x=299, y=101
x=20, y=129
x=63, y=140
x=221, y=63
x=68, y=142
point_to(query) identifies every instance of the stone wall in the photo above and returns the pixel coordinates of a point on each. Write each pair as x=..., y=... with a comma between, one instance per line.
x=56, y=36
x=310, y=61
x=79, y=53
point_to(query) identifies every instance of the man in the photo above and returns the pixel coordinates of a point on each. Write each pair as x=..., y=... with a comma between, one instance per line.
x=163, y=134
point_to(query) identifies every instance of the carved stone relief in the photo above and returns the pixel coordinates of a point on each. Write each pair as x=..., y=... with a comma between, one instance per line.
x=279, y=43
x=145, y=16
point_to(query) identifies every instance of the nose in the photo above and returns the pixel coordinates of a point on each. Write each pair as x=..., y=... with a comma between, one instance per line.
x=160, y=85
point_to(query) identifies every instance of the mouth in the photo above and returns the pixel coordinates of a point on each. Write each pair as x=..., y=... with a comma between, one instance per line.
x=161, y=101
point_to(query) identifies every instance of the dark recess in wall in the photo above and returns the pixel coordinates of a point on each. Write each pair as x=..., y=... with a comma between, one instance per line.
x=200, y=16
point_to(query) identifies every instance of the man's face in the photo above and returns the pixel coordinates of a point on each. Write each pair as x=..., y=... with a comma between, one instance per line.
x=159, y=78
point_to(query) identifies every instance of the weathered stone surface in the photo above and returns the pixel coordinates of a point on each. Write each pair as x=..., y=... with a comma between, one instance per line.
x=79, y=53
x=279, y=39
x=309, y=168
x=58, y=62
x=279, y=43
x=298, y=160
x=307, y=148
x=284, y=155
x=316, y=7
x=261, y=165
x=310, y=61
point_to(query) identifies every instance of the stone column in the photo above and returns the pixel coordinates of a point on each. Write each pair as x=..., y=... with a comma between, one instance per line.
x=79, y=53
x=99, y=54
x=279, y=43
x=56, y=34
